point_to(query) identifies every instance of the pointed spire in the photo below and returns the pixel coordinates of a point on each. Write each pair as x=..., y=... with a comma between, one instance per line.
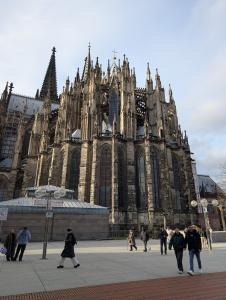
x=77, y=78
x=186, y=139
x=148, y=73
x=133, y=75
x=11, y=88
x=50, y=79
x=170, y=94
x=108, y=70
x=37, y=94
x=157, y=79
x=67, y=84
x=87, y=66
x=149, y=82
x=97, y=63
x=5, y=92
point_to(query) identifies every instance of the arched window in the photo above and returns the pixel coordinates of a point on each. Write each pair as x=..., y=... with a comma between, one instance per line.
x=122, y=182
x=26, y=142
x=171, y=124
x=105, y=176
x=177, y=181
x=155, y=178
x=140, y=178
x=74, y=171
x=113, y=106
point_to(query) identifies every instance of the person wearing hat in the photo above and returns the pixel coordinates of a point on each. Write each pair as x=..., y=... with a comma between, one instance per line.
x=68, y=251
x=193, y=241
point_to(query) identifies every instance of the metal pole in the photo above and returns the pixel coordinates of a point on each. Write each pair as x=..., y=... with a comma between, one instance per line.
x=1, y=232
x=207, y=225
x=46, y=233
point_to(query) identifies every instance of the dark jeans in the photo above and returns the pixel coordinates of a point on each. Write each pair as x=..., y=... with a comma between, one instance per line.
x=179, y=257
x=131, y=247
x=193, y=253
x=163, y=242
x=10, y=254
x=20, y=249
x=145, y=245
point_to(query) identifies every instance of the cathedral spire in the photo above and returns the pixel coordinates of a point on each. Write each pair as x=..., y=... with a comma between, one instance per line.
x=5, y=92
x=87, y=66
x=50, y=82
x=158, y=81
x=148, y=73
x=170, y=94
x=77, y=78
x=149, y=82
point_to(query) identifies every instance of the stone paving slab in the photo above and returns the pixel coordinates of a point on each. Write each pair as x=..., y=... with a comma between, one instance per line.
x=201, y=287
x=102, y=262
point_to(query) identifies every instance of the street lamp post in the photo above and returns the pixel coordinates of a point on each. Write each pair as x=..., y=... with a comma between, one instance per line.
x=204, y=204
x=216, y=204
x=47, y=193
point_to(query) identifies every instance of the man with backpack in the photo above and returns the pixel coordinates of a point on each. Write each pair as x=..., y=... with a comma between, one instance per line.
x=144, y=236
x=68, y=251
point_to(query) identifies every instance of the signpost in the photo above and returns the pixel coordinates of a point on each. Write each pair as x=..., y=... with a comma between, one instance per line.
x=3, y=213
x=45, y=199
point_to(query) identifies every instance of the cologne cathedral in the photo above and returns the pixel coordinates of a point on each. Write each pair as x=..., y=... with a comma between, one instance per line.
x=115, y=144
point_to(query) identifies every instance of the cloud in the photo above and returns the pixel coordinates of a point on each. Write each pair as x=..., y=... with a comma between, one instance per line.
x=185, y=39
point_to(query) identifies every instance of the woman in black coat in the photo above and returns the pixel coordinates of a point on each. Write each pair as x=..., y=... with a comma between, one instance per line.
x=10, y=245
x=68, y=251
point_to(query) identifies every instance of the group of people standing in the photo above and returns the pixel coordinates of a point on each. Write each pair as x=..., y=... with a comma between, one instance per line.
x=191, y=239
x=15, y=246
x=16, y=243
x=179, y=242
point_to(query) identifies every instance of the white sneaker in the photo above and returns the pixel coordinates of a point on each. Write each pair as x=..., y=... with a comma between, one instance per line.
x=180, y=272
x=191, y=273
x=200, y=271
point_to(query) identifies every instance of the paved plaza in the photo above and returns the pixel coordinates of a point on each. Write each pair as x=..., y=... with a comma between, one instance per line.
x=102, y=262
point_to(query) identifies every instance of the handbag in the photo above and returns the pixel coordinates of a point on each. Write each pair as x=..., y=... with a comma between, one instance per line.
x=3, y=250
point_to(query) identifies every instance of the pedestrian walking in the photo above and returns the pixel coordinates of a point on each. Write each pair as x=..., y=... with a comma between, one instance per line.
x=10, y=245
x=163, y=240
x=131, y=240
x=68, y=252
x=144, y=236
x=170, y=234
x=23, y=237
x=178, y=243
x=203, y=238
x=193, y=241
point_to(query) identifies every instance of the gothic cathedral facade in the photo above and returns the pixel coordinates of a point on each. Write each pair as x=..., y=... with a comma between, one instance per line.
x=113, y=143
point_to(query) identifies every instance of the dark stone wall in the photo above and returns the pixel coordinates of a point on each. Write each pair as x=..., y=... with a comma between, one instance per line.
x=85, y=226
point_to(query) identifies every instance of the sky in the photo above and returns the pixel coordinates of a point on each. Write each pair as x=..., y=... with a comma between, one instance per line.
x=184, y=39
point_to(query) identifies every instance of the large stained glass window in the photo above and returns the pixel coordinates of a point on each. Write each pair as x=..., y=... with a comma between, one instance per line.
x=155, y=178
x=177, y=181
x=105, y=176
x=74, y=171
x=140, y=178
x=113, y=106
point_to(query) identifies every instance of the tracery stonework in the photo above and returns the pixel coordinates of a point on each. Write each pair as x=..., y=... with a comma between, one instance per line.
x=115, y=144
